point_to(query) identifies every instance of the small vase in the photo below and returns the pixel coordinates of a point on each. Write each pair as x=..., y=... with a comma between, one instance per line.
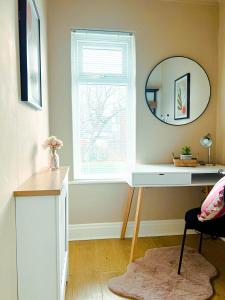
x=54, y=160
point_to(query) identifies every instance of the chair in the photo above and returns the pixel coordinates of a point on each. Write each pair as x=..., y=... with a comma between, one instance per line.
x=215, y=228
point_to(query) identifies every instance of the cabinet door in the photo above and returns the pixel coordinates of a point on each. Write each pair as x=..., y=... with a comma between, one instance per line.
x=62, y=238
x=36, y=248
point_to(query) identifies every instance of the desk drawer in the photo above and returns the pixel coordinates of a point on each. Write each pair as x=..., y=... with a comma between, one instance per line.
x=164, y=179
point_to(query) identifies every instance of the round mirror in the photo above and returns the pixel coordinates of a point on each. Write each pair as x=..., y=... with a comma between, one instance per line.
x=177, y=90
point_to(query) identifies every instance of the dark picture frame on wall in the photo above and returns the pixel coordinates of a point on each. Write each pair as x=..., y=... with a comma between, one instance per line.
x=182, y=97
x=30, y=53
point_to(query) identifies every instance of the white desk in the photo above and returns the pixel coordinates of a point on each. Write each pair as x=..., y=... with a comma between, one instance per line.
x=164, y=175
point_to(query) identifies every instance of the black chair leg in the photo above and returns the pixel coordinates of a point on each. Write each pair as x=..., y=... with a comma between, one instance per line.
x=200, y=243
x=182, y=249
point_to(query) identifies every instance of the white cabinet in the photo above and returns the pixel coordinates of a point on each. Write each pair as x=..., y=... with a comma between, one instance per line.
x=42, y=238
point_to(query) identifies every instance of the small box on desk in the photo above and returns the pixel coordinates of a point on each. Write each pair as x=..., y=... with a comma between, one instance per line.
x=185, y=162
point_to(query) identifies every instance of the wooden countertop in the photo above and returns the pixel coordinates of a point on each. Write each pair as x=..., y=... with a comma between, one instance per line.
x=43, y=183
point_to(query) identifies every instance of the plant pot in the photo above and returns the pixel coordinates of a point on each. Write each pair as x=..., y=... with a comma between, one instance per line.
x=185, y=156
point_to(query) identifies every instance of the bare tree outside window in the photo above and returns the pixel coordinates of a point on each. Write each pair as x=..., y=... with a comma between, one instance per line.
x=103, y=125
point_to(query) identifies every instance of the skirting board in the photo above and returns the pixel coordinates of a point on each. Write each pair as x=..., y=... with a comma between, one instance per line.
x=94, y=231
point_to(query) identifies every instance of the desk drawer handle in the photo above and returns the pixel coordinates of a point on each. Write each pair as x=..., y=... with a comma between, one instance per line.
x=161, y=174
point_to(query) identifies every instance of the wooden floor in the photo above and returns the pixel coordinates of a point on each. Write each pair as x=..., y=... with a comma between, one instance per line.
x=92, y=263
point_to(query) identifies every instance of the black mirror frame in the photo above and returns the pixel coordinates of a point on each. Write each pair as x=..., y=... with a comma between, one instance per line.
x=146, y=89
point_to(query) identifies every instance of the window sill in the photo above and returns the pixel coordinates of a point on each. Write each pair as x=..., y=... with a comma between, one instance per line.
x=96, y=181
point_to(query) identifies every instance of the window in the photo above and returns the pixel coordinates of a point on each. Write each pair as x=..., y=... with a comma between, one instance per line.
x=103, y=103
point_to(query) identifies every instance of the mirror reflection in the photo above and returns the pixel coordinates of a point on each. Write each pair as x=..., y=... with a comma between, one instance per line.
x=177, y=90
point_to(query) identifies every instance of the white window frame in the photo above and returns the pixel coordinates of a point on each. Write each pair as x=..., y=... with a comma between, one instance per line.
x=129, y=76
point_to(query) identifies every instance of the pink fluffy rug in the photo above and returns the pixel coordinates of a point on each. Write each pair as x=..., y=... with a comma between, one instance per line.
x=154, y=277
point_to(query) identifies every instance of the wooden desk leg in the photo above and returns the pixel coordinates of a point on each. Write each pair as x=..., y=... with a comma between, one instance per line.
x=207, y=190
x=127, y=212
x=136, y=223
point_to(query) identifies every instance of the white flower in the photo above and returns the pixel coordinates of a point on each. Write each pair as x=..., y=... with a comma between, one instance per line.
x=53, y=143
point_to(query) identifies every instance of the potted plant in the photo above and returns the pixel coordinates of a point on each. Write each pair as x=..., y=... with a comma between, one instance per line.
x=186, y=153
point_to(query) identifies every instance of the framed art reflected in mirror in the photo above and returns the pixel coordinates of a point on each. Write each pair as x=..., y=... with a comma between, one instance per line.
x=182, y=97
x=30, y=53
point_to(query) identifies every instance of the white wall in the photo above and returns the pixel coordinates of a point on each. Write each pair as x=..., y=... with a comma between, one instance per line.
x=221, y=87
x=162, y=29
x=22, y=131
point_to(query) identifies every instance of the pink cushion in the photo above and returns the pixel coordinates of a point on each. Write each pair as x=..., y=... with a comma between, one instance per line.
x=213, y=207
